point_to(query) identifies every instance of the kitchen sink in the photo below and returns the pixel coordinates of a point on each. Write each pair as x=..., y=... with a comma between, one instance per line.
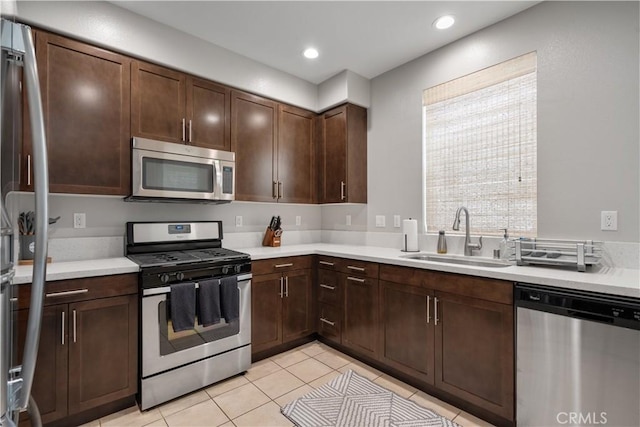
x=452, y=259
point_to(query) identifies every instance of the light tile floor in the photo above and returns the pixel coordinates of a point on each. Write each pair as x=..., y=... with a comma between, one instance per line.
x=255, y=398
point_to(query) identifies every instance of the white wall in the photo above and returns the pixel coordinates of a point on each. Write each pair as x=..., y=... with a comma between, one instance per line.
x=588, y=117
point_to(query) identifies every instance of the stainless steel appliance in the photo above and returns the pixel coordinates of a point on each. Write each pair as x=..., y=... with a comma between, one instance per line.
x=18, y=57
x=578, y=358
x=167, y=172
x=175, y=363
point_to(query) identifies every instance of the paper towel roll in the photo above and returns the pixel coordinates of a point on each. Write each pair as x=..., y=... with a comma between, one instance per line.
x=410, y=235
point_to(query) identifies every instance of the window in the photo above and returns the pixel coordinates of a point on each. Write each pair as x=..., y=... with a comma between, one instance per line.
x=479, y=149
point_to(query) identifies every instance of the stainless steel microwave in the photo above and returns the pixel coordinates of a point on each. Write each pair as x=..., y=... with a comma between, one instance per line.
x=167, y=172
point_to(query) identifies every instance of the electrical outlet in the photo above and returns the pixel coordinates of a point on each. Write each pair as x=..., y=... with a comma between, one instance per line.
x=298, y=220
x=396, y=221
x=238, y=221
x=609, y=220
x=380, y=221
x=79, y=220
x=348, y=220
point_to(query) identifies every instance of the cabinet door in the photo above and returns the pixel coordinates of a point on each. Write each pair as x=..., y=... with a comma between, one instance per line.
x=86, y=101
x=333, y=175
x=253, y=138
x=475, y=352
x=266, y=311
x=360, y=328
x=157, y=103
x=296, y=160
x=297, y=310
x=208, y=110
x=406, y=329
x=50, y=380
x=103, y=357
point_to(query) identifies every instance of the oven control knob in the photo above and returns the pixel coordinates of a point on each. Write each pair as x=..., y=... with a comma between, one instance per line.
x=225, y=269
x=237, y=268
x=164, y=278
x=180, y=275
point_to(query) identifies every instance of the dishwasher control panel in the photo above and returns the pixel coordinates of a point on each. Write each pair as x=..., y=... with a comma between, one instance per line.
x=603, y=308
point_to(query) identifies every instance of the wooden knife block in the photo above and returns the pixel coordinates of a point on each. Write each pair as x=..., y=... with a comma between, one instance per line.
x=270, y=238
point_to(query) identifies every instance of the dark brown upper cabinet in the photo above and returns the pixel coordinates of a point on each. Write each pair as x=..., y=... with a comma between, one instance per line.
x=274, y=146
x=254, y=128
x=296, y=173
x=343, y=155
x=171, y=106
x=86, y=100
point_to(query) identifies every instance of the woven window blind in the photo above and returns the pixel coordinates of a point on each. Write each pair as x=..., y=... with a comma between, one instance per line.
x=480, y=149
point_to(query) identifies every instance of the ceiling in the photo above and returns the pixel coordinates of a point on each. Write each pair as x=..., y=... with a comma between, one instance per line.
x=366, y=37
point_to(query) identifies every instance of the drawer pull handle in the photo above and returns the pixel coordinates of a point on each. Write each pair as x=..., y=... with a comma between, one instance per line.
x=281, y=287
x=330, y=264
x=331, y=288
x=286, y=286
x=328, y=322
x=351, y=267
x=289, y=264
x=66, y=293
x=435, y=308
x=356, y=279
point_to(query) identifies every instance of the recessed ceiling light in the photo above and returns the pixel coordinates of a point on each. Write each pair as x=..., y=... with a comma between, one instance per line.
x=444, y=22
x=310, y=53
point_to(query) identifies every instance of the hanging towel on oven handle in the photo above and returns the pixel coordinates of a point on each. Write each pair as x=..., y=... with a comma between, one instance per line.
x=183, y=306
x=209, y=312
x=230, y=298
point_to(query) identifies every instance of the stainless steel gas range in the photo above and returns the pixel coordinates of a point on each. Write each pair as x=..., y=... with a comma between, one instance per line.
x=186, y=274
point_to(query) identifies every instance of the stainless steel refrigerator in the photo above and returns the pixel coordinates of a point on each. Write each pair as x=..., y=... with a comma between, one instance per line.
x=18, y=74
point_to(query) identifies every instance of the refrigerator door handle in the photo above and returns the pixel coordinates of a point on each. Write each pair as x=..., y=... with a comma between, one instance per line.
x=41, y=181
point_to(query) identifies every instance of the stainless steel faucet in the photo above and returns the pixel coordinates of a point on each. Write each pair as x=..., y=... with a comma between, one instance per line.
x=468, y=246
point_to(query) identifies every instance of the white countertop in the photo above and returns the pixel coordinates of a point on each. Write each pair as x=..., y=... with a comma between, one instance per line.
x=616, y=281
x=78, y=269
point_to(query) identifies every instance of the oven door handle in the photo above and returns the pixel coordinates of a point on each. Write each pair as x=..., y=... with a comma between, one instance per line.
x=167, y=289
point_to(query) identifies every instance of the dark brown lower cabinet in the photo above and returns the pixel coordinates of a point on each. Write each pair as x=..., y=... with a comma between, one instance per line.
x=407, y=338
x=102, y=355
x=88, y=352
x=360, y=326
x=281, y=308
x=474, y=352
x=50, y=385
x=461, y=344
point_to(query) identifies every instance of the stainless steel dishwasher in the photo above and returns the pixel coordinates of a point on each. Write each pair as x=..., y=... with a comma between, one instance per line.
x=577, y=358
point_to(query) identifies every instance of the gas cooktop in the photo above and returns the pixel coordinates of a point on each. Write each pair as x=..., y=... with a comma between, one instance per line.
x=156, y=259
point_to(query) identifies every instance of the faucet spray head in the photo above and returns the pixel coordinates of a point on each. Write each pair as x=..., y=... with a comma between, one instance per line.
x=456, y=223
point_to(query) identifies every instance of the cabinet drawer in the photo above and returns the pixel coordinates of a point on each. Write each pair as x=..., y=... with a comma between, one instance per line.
x=328, y=263
x=358, y=268
x=279, y=265
x=88, y=288
x=350, y=279
x=329, y=287
x=329, y=321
